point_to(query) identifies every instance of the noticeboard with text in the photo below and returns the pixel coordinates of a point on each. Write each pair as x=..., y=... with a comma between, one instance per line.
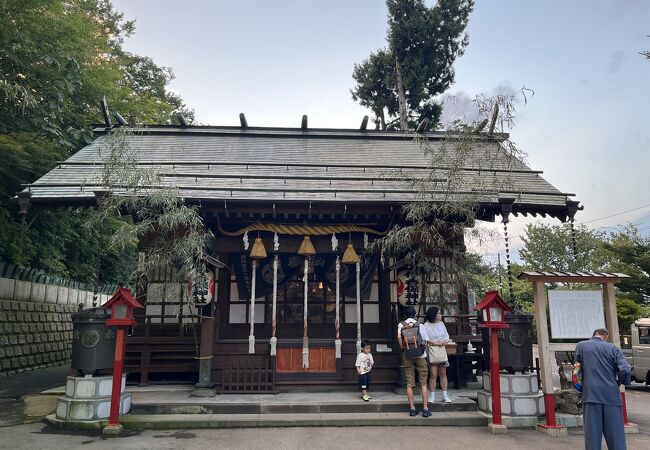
x=575, y=314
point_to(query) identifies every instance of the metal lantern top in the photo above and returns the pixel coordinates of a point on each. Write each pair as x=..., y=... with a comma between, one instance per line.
x=494, y=309
x=121, y=307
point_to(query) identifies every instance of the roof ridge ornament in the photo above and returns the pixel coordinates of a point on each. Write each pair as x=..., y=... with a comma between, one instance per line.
x=364, y=124
x=107, y=118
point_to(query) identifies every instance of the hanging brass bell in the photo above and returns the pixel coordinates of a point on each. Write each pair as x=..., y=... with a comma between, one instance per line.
x=350, y=255
x=258, y=251
x=306, y=247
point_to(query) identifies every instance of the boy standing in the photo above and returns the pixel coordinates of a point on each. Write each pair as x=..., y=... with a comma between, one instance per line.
x=364, y=365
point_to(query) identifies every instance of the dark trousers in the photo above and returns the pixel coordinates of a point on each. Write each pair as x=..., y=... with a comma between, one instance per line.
x=602, y=420
x=364, y=381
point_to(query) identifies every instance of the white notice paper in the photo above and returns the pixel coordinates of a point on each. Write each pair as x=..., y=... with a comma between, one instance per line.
x=575, y=314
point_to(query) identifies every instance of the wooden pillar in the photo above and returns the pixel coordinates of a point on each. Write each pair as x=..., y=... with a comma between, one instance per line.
x=611, y=323
x=539, y=296
x=611, y=318
x=208, y=327
x=495, y=381
x=114, y=427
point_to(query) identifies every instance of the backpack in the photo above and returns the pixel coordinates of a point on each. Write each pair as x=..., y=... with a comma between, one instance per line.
x=412, y=343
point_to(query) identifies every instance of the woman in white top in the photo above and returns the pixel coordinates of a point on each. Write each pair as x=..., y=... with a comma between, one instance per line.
x=436, y=334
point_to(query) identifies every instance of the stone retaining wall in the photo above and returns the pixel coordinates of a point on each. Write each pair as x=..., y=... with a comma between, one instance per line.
x=36, y=325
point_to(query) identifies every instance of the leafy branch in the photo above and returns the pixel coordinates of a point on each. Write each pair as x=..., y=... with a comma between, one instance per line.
x=149, y=212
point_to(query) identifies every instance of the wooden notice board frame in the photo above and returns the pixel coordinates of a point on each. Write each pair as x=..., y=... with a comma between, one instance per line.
x=546, y=349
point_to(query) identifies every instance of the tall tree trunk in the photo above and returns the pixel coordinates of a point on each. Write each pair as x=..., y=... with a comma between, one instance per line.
x=401, y=97
x=382, y=119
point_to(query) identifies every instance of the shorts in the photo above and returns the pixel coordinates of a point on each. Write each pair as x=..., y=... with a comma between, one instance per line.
x=442, y=364
x=364, y=381
x=410, y=365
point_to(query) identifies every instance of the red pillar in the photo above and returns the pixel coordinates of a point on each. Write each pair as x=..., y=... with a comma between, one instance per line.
x=114, y=418
x=549, y=408
x=494, y=377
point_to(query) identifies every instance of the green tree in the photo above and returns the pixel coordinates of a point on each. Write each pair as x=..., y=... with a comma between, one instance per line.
x=628, y=311
x=483, y=277
x=630, y=254
x=57, y=59
x=550, y=248
x=400, y=83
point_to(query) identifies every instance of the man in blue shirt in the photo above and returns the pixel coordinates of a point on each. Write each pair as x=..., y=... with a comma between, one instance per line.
x=604, y=369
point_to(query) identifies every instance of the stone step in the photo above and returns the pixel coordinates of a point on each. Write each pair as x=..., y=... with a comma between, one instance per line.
x=351, y=405
x=186, y=421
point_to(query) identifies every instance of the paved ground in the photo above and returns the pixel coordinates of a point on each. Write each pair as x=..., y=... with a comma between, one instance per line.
x=17, y=386
x=14, y=388
x=39, y=436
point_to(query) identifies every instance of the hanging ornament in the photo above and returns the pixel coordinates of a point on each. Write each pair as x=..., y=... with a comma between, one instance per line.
x=358, y=267
x=350, y=255
x=337, y=323
x=276, y=242
x=245, y=239
x=335, y=242
x=306, y=247
x=274, y=340
x=306, y=250
x=508, y=264
x=305, y=338
x=365, y=240
x=574, y=240
x=257, y=252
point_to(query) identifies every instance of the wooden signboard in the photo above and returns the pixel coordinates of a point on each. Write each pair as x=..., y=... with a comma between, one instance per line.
x=575, y=314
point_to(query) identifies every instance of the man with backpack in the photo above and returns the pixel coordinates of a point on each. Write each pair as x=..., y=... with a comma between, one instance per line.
x=412, y=343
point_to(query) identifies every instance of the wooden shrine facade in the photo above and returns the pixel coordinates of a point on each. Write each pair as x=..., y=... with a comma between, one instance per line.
x=282, y=185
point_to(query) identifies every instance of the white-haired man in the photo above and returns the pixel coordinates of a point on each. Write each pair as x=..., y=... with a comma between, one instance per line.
x=604, y=369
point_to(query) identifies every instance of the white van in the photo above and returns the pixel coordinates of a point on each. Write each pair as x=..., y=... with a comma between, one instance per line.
x=641, y=351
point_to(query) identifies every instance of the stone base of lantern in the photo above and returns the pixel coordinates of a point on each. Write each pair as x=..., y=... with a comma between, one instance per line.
x=521, y=400
x=89, y=399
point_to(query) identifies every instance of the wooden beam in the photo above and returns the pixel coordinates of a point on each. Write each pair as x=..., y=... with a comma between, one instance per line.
x=478, y=128
x=611, y=318
x=422, y=127
x=572, y=277
x=121, y=120
x=493, y=121
x=104, y=106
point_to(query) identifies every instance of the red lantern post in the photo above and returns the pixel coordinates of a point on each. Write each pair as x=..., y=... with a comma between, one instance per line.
x=494, y=310
x=121, y=307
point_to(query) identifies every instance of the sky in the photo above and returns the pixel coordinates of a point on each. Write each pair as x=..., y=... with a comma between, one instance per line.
x=586, y=126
